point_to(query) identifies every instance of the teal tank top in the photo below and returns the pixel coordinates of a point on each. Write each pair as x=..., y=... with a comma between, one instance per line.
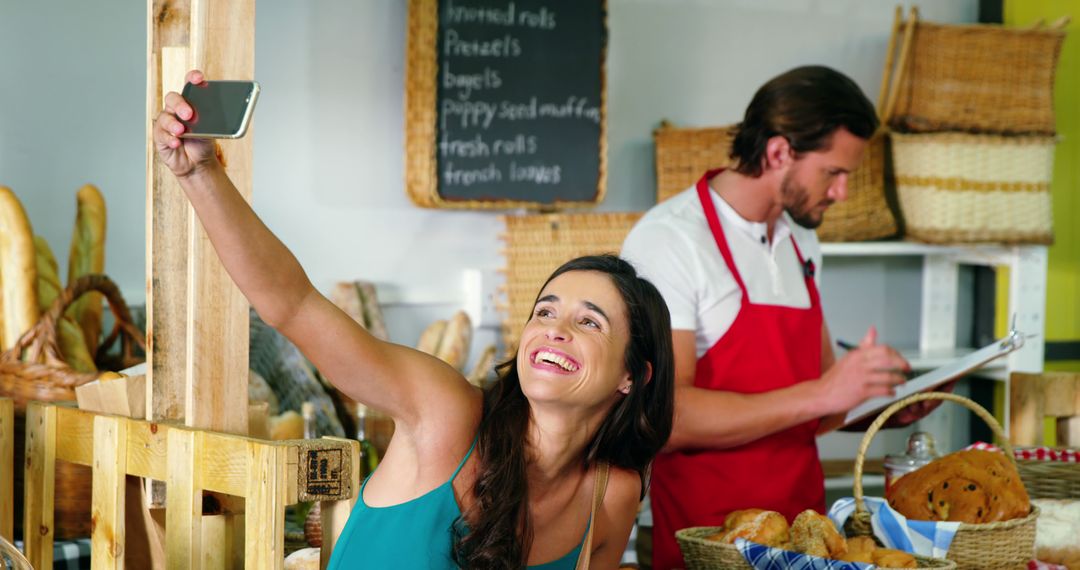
x=412, y=535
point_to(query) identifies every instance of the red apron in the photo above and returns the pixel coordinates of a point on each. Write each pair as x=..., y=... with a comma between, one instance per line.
x=767, y=347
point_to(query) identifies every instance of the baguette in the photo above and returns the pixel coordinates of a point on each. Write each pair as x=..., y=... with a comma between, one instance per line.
x=431, y=337
x=18, y=270
x=372, y=311
x=454, y=345
x=71, y=341
x=484, y=365
x=88, y=256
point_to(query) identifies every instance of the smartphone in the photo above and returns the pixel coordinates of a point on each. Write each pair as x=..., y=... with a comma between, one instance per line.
x=223, y=109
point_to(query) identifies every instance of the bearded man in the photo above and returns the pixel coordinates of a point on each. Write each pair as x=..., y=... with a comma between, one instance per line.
x=735, y=257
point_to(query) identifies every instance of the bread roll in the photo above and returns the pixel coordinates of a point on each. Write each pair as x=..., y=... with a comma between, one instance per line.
x=972, y=486
x=18, y=270
x=71, y=340
x=303, y=559
x=815, y=534
x=767, y=527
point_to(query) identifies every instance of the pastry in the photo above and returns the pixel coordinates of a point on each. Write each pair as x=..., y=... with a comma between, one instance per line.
x=973, y=487
x=889, y=558
x=860, y=549
x=815, y=534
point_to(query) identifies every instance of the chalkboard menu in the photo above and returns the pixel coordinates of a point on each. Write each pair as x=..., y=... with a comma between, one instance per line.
x=505, y=103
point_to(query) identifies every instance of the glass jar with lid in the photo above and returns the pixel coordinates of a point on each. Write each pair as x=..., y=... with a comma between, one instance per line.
x=920, y=451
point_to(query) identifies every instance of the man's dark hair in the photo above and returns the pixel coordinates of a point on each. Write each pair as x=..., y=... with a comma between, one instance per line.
x=805, y=106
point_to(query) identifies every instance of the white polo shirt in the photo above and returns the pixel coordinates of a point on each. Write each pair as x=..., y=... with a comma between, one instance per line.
x=672, y=247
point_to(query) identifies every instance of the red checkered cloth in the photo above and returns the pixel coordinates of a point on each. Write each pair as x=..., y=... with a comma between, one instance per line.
x=1036, y=565
x=1034, y=453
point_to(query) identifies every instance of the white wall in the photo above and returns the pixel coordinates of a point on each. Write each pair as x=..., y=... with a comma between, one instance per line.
x=329, y=126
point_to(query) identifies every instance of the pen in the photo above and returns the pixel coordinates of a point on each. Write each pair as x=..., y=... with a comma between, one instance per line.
x=909, y=374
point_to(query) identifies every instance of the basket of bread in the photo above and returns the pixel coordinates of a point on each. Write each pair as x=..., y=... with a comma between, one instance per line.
x=809, y=537
x=980, y=491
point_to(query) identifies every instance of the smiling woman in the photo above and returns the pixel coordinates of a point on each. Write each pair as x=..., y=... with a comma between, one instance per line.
x=562, y=441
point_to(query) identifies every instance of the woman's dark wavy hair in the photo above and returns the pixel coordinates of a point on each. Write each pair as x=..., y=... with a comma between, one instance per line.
x=805, y=106
x=498, y=532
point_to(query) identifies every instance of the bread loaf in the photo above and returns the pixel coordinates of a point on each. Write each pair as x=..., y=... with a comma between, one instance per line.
x=18, y=270
x=972, y=486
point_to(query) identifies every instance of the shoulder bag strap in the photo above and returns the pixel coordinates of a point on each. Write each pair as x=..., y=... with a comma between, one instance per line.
x=599, y=487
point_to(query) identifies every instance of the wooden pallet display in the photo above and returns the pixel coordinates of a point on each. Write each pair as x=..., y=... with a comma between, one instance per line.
x=268, y=474
x=1033, y=397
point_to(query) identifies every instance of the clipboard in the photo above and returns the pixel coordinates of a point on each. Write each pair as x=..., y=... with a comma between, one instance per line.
x=938, y=376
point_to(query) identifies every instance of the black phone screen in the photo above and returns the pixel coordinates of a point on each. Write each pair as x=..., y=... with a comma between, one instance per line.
x=220, y=106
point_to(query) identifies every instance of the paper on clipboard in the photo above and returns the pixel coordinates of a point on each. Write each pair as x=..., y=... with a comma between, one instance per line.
x=938, y=376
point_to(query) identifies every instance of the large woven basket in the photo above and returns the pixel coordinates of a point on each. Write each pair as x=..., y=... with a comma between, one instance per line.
x=700, y=553
x=683, y=156
x=33, y=369
x=956, y=187
x=538, y=244
x=978, y=78
x=1006, y=545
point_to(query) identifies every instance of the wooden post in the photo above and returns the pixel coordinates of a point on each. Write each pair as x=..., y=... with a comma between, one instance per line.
x=183, y=512
x=7, y=469
x=265, y=528
x=198, y=318
x=38, y=484
x=336, y=513
x=110, y=470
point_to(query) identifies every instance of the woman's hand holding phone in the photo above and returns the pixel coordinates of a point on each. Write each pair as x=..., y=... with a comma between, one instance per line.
x=183, y=156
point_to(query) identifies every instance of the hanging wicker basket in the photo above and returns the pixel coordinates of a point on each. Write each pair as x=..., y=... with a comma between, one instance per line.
x=1005, y=545
x=34, y=369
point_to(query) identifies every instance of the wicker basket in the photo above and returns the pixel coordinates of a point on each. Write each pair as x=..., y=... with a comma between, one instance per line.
x=1050, y=479
x=700, y=553
x=1005, y=545
x=683, y=156
x=977, y=78
x=956, y=187
x=41, y=374
x=538, y=244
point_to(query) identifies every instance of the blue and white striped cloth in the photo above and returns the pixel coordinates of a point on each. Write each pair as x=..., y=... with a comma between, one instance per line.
x=925, y=538
x=762, y=557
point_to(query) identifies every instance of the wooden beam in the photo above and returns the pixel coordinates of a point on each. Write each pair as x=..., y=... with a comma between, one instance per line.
x=183, y=512
x=7, y=469
x=265, y=525
x=223, y=46
x=38, y=484
x=109, y=533
x=167, y=213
